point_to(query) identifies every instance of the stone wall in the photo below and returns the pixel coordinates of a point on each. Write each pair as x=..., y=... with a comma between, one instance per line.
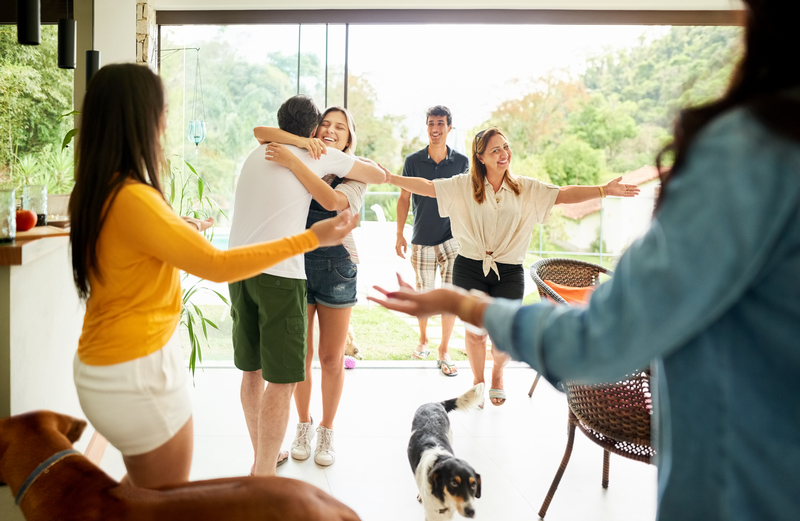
x=146, y=34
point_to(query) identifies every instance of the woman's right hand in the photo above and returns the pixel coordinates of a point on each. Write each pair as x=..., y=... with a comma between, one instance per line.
x=331, y=232
x=316, y=147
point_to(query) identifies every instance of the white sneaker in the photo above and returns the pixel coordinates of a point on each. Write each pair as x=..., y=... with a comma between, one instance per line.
x=301, y=446
x=325, y=454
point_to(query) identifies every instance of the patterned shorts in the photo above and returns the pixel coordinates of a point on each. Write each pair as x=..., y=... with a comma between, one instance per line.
x=426, y=258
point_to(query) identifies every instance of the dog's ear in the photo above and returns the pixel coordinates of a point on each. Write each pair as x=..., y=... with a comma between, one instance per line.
x=478, y=489
x=436, y=481
x=70, y=427
x=75, y=431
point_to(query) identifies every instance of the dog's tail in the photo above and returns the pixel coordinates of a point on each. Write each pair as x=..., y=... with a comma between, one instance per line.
x=468, y=400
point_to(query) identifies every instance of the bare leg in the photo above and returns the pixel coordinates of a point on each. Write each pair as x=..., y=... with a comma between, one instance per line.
x=302, y=392
x=333, y=325
x=500, y=359
x=166, y=465
x=448, y=322
x=423, y=330
x=476, y=354
x=272, y=421
x=251, y=392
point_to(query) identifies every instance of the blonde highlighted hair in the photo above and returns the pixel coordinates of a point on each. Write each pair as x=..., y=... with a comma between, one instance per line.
x=351, y=128
x=477, y=169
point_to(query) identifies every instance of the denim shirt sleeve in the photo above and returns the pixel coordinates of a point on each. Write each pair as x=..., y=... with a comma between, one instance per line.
x=722, y=218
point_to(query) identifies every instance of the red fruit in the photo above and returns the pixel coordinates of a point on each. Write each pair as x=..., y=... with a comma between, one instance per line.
x=26, y=220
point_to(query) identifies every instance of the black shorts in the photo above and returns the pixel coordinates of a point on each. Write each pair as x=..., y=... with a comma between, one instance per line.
x=468, y=274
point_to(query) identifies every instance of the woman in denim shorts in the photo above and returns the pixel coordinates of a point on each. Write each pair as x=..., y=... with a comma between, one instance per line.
x=330, y=273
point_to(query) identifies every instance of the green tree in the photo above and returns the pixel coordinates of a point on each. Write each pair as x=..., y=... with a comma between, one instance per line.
x=604, y=123
x=534, y=122
x=377, y=135
x=689, y=65
x=34, y=92
x=573, y=162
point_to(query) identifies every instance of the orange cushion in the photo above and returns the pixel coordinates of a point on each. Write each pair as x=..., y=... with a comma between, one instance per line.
x=572, y=294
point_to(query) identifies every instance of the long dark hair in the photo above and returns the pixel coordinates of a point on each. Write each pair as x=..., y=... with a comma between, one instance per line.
x=119, y=139
x=762, y=82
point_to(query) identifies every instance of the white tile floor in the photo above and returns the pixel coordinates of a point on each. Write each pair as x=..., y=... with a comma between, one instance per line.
x=516, y=448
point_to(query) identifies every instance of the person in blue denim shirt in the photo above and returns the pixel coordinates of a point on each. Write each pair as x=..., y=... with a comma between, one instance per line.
x=710, y=297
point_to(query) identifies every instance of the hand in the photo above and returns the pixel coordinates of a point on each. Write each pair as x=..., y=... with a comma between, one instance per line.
x=614, y=187
x=278, y=153
x=331, y=232
x=316, y=147
x=201, y=224
x=388, y=178
x=401, y=244
x=406, y=300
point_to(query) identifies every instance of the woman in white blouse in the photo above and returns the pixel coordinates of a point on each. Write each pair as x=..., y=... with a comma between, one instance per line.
x=492, y=214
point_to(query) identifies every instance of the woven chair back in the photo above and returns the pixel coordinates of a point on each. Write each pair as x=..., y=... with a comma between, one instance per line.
x=614, y=415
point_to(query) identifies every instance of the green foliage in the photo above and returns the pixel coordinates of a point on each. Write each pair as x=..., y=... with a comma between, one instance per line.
x=623, y=105
x=189, y=195
x=377, y=136
x=535, y=121
x=240, y=95
x=603, y=123
x=573, y=162
x=34, y=93
x=688, y=66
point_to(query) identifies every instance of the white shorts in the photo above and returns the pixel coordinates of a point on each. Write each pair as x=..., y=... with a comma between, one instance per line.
x=137, y=405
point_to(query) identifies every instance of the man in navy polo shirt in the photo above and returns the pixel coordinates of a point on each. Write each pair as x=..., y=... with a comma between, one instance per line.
x=432, y=243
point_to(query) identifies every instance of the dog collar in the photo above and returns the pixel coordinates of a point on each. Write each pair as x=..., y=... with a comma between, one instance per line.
x=43, y=468
x=443, y=510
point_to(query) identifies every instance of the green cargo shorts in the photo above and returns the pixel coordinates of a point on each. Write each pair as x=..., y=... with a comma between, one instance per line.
x=269, y=327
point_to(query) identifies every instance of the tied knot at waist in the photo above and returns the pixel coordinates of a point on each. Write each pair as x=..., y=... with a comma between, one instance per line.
x=489, y=264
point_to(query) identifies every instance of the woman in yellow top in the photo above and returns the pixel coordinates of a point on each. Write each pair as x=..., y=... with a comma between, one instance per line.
x=127, y=248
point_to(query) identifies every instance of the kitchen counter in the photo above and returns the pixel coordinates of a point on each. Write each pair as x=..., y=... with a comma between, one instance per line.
x=30, y=245
x=41, y=318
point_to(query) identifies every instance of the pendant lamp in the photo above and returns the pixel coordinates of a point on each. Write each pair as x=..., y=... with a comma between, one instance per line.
x=29, y=20
x=67, y=42
x=92, y=65
x=92, y=56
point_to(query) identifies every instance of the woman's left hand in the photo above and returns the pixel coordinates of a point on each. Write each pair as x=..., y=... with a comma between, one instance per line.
x=615, y=187
x=406, y=300
x=278, y=153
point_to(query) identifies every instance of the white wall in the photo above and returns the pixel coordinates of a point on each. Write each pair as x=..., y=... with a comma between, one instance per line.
x=200, y=5
x=115, y=30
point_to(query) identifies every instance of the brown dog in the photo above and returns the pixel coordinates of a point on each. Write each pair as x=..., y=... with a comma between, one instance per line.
x=74, y=488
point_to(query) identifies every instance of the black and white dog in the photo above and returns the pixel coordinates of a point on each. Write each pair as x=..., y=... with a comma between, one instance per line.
x=446, y=484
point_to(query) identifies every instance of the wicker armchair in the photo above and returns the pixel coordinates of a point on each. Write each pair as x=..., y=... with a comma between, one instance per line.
x=615, y=415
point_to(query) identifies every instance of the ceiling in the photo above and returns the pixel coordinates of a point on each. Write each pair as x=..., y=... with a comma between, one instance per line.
x=669, y=5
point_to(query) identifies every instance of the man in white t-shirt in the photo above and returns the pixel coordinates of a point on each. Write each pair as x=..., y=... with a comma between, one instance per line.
x=269, y=310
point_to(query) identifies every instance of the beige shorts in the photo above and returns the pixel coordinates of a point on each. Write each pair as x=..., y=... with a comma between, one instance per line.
x=425, y=260
x=137, y=405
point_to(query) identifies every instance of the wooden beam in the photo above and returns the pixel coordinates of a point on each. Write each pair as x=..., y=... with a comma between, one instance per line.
x=450, y=16
x=52, y=11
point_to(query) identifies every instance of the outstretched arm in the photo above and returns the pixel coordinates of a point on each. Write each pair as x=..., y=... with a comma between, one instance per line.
x=366, y=171
x=316, y=147
x=329, y=198
x=415, y=185
x=578, y=194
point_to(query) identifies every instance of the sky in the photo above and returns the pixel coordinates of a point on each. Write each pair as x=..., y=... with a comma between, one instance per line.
x=469, y=68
